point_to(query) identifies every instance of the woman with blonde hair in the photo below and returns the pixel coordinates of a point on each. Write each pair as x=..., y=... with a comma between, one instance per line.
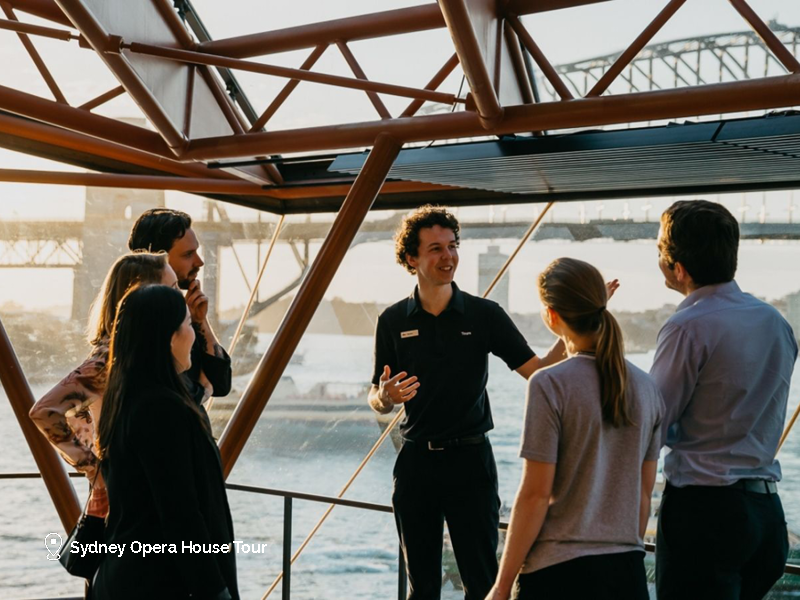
x=590, y=445
x=67, y=414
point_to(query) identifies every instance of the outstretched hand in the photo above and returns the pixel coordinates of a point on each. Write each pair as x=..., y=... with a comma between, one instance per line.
x=397, y=390
x=611, y=287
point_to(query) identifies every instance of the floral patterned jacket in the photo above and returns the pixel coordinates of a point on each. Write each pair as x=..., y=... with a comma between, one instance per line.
x=66, y=415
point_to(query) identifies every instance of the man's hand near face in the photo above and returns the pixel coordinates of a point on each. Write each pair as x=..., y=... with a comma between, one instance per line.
x=197, y=302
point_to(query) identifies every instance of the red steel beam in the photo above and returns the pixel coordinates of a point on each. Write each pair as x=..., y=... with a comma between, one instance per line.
x=767, y=36
x=103, y=98
x=40, y=30
x=391, y=22
x=36, y=58
x=198, y=185
x=69, y=140
x=187, y=56
x=47, y=460
x=362, y=27
x=344, y=229
x=81, y=121
x=433, y=84
x=195, y=185
x=360, y=74
x=472, y=60
x=547, y=69
x=44, y=9
x=739, y=96
x=342, y=189
x=638, y=44
x=287, y=89
x=515, y=53
x=105, y=46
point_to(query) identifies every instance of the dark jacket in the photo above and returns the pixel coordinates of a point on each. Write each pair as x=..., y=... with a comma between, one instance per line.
x=165, y=486
x=216, y=369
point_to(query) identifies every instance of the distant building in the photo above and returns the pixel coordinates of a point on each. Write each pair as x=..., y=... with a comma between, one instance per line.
x=793, y=312
x=489, y=264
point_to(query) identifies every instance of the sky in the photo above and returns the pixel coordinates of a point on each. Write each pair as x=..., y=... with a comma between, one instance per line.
x=565, y=36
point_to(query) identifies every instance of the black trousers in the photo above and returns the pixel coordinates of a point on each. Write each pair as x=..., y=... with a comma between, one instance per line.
x=718, y=543
x=457, y=485
x=599, y=577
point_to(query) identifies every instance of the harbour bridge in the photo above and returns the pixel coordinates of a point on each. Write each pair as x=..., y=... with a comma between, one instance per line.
x=89, y=246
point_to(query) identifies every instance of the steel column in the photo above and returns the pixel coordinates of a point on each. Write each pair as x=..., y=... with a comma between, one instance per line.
x=344, y=229
x=286, y=592
x=472, y=61
x=739, y=96
x=50, y=465
x=515, y=53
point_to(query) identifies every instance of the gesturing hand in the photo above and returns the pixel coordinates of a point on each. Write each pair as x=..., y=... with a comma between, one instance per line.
x=611, y=287
x=197, y=302
x=396, y=390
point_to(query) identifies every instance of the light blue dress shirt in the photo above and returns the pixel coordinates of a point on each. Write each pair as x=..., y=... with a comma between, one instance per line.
x=723, y=364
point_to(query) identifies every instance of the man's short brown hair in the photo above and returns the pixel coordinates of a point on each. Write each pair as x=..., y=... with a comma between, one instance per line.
x=704, y=237
x=406, y=239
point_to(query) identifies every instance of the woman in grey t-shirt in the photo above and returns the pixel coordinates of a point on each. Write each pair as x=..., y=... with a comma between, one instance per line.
x=590, y=443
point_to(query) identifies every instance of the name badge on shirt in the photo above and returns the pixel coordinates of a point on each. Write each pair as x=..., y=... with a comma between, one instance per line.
x=408, y=334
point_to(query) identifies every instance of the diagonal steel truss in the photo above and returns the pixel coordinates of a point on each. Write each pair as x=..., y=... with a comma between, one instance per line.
x=197, y=123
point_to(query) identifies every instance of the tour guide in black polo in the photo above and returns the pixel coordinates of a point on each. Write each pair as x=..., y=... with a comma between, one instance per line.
x=431, y=353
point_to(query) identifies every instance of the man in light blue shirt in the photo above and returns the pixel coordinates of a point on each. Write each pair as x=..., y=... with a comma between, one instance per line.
x=723, y=363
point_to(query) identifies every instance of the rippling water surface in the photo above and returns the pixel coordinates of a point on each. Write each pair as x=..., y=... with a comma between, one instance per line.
x=355, y=553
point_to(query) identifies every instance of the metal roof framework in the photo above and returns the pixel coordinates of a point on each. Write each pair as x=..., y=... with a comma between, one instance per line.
x=179, y=83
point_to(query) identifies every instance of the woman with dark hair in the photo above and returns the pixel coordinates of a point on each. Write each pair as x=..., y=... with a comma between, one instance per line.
x=67, y=413
x=590, y=445
x=160, y=463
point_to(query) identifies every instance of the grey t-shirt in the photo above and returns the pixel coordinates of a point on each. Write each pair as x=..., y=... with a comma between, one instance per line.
x=594, y=508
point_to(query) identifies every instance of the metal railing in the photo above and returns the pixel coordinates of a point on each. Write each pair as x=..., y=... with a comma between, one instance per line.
x=288, y=504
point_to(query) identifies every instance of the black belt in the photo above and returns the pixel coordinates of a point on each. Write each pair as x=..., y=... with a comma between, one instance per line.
x=470, y=440
x=759, y=486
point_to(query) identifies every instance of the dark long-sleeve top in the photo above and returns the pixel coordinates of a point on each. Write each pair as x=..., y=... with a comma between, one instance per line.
x=216, y=368
x=165, y=486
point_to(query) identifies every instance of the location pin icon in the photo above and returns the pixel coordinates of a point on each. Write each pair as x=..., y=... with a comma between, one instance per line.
x=53, y=543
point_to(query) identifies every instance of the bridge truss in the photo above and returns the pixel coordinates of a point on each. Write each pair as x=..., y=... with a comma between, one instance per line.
x=179, y=80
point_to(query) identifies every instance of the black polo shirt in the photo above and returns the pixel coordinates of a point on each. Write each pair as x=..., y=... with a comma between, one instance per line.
x=449, y=354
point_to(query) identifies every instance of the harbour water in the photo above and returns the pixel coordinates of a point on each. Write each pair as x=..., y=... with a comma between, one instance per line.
x=355, y=553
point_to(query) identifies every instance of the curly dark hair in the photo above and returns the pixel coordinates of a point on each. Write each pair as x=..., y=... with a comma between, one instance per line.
x=406, y=239
x=704, y=237
x=157, y=229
